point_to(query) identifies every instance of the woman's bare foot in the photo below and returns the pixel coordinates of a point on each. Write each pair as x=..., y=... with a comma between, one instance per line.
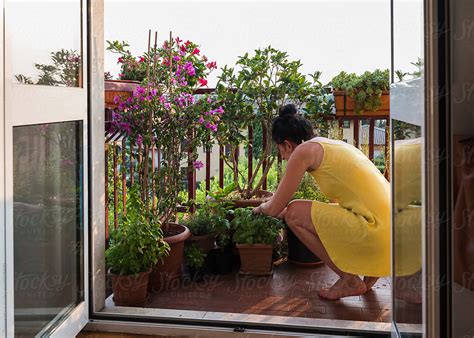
x=349, y=285
x=370, y=281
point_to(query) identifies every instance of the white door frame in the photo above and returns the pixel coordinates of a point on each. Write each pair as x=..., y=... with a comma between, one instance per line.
x=47, y=108
x=2, y=189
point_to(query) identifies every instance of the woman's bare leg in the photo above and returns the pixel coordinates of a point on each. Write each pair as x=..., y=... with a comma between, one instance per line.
x=298, y=218
x=370, y=281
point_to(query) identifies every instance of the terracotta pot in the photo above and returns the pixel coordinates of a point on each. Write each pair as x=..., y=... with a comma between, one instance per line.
x=255, y=259
x=254, y=202
x=298, y=253
x=204, y=242
x=130, y=290
x=170, y=268
x=384, y=110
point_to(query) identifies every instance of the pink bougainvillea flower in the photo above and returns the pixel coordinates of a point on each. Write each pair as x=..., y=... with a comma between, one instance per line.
x=196, y=51
x=209, y=100
x=198, y=165
x=187, y=43
x=120, y=60
x=141, y=59
x=121, y=75
x=212, y=65
x=139, y=140
x=116, y=99
x=202, y=82
x=176, y=58
x=167, y=106
x=201, y=120
x=213, y=128
x=178, y=40
x=162, y=99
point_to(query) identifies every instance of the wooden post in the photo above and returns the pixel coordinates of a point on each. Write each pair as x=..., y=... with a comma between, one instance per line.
x=356, y=132
x=371, y=139
x=124, y=176
x=191, y=175
x=250, y=154
x=221, y=166
x=115, y=186
x=264, y=148
x=106, y=192
x=208, y=168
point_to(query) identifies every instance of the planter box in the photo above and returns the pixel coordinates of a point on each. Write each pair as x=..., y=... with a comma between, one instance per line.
x=256, y=259
x=254, y=202
x=347, y=108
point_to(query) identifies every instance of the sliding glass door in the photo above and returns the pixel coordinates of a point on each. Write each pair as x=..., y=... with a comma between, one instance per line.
x=46, y=167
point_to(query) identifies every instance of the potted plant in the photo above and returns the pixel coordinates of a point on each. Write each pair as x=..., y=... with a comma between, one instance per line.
x=252, y=97
x=135, y=247
x=194, y=259
x=164, y=114
x=366, y=94
x=298, y=253
x=255, y=236
x=208, y=221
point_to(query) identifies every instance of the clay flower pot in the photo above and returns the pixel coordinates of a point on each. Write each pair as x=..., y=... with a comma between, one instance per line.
x=170, y=268
x=258, y=199
x=204, y=242
x=256, y=259
x=130, y=290
x=298, y=253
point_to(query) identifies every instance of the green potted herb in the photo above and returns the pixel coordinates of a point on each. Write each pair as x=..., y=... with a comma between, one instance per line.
x=194, y=258
x=255, y=236
x=298, y=253
x=204, y=225
x=135, y=247
x=366, y=94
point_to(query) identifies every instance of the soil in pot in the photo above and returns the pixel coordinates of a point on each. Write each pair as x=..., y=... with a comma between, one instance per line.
x=130, y=290
x=298, y=253
x=256, y=259
x=255, y=201
x=171, y=267
x=204, y=242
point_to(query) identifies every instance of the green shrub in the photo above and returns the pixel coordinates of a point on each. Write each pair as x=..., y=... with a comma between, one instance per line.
x=138, y=242
x=255, y=229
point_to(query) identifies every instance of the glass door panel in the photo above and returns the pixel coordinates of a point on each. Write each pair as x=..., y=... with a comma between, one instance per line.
x=46, y=166
x=462, y=166
x=407, y=142
x=48, y=223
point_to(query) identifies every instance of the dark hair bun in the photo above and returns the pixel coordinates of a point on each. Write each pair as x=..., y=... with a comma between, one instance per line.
x=288, y=110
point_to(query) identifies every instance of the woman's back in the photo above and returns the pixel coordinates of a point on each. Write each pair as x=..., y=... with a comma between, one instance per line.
x=349, y=177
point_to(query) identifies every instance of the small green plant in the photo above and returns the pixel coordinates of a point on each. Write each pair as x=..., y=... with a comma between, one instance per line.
x=309, y=190
x=194, y=257
x=138, y=242
x=207, y=220
x=253, y=229
x=366, y=89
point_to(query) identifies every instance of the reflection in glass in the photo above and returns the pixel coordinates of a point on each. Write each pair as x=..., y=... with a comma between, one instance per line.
x=407, y=221
x=48, y=223
x=45, y=42
x=462, y=189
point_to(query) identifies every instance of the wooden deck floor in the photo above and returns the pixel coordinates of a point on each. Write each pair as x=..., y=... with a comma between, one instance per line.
x=291, y=291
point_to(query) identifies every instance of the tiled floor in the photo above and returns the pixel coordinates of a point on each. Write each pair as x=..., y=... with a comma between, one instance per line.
x=291, y=291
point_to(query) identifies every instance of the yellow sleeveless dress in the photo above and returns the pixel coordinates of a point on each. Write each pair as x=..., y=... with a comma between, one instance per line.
x=355, y=231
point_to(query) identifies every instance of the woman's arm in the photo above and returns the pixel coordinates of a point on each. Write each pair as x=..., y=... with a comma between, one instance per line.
x=303, y=158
